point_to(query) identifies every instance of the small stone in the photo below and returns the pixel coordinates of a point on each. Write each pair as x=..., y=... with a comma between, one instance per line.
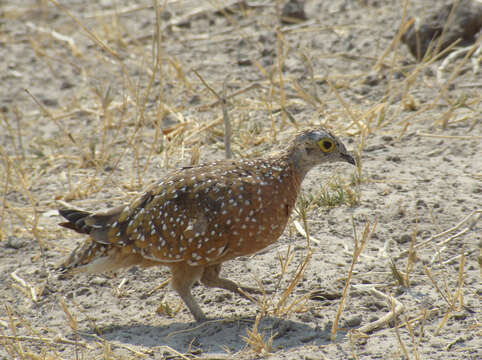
x=243, y=61
x=372, y=79
x=395, y=158
x=293, y=12
x=99, y=281
x=461, y=315
x=166, y=15
x=196, y=99
x=50, y=102
x=421, y=204
x=14, y=242
x=406, y=238
x=66, y=85
x=352, y=321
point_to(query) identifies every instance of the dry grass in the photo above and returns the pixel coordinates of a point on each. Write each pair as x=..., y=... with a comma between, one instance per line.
x=108, y=138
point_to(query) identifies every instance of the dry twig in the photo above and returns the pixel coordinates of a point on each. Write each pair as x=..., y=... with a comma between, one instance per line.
x=397, y=309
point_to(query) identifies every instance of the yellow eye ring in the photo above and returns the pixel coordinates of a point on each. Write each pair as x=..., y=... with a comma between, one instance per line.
x=326, y=145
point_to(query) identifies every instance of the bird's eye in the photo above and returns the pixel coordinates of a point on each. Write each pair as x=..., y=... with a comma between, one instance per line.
x=326, y=145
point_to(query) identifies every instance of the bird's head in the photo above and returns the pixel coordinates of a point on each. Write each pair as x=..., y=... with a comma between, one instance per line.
x=317, y=146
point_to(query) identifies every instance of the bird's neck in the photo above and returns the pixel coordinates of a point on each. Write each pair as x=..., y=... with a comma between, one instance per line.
x=297, y=163
x=287, y=160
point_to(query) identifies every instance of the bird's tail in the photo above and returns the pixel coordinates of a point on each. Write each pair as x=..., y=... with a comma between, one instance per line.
x=105, y=250
x=96, y=246
x=76, y=220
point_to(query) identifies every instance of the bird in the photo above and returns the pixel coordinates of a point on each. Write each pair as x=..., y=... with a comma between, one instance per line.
x=198, y=217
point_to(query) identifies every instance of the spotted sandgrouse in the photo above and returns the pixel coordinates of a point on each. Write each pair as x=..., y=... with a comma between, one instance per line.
x=201, y=216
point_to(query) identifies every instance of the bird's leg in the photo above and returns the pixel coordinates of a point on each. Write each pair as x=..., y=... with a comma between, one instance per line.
x=183, y=277
x=211, y=278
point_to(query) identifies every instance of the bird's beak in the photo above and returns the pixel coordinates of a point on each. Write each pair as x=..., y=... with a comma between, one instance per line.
x=348, y=158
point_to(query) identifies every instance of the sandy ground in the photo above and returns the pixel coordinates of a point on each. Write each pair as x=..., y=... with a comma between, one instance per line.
x=419, y=139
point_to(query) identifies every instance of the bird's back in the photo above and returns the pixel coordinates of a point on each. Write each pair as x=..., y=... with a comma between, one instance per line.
x=200, y=215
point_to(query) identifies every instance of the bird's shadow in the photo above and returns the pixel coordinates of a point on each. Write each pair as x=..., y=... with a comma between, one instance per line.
x=218, y=335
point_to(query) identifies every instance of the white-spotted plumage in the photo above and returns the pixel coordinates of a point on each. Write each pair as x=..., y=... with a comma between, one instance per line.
x=201, y=216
